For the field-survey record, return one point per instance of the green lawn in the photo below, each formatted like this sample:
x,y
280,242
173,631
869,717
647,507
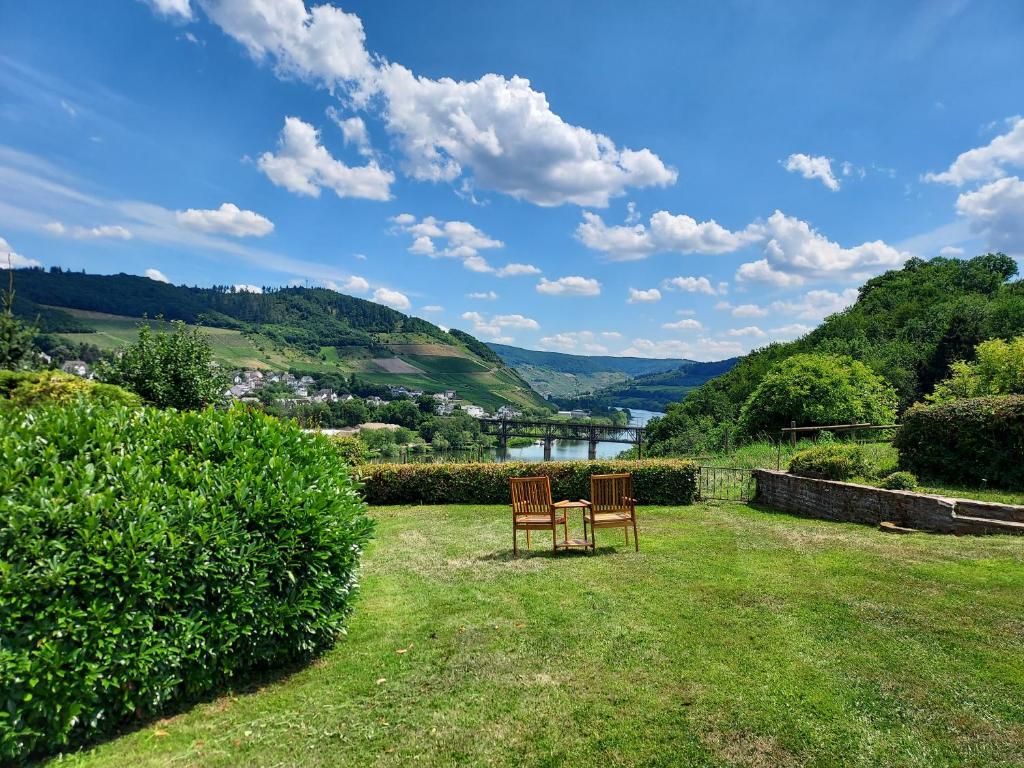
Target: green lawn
x,y
735,637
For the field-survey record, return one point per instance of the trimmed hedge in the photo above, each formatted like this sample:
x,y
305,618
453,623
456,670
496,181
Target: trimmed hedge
x,y
966,441
831,461
148,557
655,481
25,389
899,481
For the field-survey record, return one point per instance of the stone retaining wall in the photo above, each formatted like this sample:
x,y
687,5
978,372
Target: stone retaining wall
x,y
852,503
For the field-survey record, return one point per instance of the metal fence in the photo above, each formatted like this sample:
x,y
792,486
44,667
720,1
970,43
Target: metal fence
x,y
725,484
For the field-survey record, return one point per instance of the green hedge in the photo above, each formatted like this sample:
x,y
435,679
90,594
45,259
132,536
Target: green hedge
x,y
25,389
966,441
147,557
831,461
656,482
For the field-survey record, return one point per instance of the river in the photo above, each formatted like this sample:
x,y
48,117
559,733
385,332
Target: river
x,y
566,450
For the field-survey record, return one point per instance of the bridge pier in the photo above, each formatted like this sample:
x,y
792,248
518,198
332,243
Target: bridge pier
x,y
592,450
547,448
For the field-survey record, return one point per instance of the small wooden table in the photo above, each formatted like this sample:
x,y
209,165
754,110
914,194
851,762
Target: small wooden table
x,y
567,542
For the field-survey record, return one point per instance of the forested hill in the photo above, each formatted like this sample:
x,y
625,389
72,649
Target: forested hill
x,y
907,325
309,329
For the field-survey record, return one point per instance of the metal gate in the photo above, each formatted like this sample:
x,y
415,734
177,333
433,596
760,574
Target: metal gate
x,y
725,484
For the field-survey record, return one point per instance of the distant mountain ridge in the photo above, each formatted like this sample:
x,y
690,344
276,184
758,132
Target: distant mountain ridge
x,y
603,380
314,330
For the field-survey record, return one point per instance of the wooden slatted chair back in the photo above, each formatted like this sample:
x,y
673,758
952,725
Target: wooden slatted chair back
x,y
608,492
531,496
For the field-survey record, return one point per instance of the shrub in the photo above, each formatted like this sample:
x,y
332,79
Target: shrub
x,y
966,441
817,389
833,461
351,448
147,557
659,482
899,481
26,389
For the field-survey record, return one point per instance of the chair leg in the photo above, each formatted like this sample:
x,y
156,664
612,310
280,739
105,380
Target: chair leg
x,y
527,538
554,538
625,530
515,542
636,541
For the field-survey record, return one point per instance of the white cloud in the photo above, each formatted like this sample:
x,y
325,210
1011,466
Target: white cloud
x,y
247,288
694,285
8,257
352,284
571,285
951,251
749,310
794,251
353,131
514,269
576,342
498,132
177,9
156,274
643,296
816,305
390,298
790,331
750,330
815,167
988,162
89,233
701,349
460,240
665,232
432,308
304,166
483,295
996,212
229,219
493,328
686,324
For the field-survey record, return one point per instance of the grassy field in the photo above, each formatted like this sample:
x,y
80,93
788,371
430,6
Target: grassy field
x,y
735,637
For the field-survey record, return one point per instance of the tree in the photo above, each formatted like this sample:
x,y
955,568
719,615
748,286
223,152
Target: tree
x,y
998,369
17,350
169,370
817,390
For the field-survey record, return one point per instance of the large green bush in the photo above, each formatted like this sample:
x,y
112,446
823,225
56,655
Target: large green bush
x,y
966,441
998,369
817,390
26,389
147,557
832,461
657,482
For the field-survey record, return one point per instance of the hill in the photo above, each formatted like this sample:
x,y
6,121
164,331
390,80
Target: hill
x,y
908,325
312,330
563,375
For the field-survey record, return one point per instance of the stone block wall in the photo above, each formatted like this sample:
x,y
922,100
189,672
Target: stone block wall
x,y
852,503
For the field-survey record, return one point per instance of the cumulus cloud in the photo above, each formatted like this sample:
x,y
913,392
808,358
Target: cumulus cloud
x,y
229,219
390,298
790,331
353,131
303,165
247,288
482,295
813,305
996,212
89,233
156,274
694,285
175,9
748,310
8,257
494,327
352,284
815,167
750,330
514,269
497,133
793,251
432,308
577,342
686,324
643,296
987,162
701,349
665,232
951,251
571,285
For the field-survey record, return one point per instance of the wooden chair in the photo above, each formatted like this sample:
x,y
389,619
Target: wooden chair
x,y
533,510
611,506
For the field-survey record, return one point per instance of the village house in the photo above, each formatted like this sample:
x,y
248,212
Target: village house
x,y
77,368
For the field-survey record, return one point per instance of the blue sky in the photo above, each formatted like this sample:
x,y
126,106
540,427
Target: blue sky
x,y
660,179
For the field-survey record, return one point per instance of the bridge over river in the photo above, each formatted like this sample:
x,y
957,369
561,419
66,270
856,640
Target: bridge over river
x,y
549,431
